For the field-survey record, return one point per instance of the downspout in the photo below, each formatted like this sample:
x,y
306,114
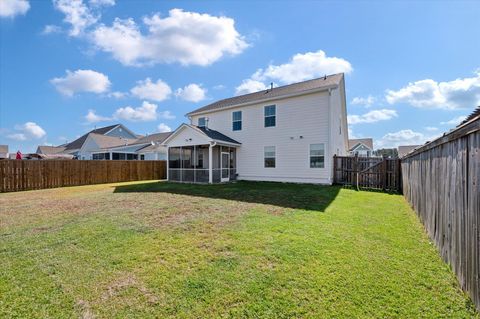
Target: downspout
x,y
329,148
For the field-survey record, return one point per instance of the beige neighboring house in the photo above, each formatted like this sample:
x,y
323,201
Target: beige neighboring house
x,y
114,142
361,147
50,150
3,151
405,149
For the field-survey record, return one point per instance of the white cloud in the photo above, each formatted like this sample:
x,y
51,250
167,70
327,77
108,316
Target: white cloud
x,y
304,67
154,91
29,130
11,8
403,137
162,128
365,101
456,94
184,37
117,94
219,87
49,29
166,115
146,112
455,121
77,14
431,128
372,116
249,86
93,117
192,93
81,81
100,3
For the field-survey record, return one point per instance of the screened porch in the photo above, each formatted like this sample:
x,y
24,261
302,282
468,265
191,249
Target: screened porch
x,y
202,163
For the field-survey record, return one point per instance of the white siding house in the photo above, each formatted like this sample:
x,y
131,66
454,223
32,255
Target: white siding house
x,y
285,134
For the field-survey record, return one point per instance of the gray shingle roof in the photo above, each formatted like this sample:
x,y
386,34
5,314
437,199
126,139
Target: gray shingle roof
x,y
280,91
105,141
76,144
45,149
157,137
405,149
216,135
475,113
366,141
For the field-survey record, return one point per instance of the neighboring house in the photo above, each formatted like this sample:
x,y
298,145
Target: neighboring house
x,y
50,150
361,147
115,142
285,134
3,152
405,149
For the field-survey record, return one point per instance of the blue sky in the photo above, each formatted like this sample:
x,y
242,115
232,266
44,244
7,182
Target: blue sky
x,y
412,69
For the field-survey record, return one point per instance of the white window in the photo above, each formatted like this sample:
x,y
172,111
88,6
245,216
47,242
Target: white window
x,y
237,121
317,155
202,122
270,112
269,156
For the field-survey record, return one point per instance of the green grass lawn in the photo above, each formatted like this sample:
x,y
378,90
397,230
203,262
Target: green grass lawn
x,y
243,250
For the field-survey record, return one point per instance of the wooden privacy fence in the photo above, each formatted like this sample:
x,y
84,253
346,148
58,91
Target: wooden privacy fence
x,y
441,181
19,175
367,172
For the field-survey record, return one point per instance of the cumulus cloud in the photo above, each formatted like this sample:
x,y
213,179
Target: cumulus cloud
x,y
81,81
365,101
162,128
146,112
99,3
303,67
166,115
93,117
188,38
12,8
372,116
192,93
77,14
49,29
117,94
250,86
403,137
455,121
154,91
456,94
29,130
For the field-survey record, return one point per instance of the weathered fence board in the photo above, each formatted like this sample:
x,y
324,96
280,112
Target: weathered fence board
x,y
367,172
16,175
442,183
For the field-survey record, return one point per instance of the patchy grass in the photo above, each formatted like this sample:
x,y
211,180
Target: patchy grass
x,y
261,250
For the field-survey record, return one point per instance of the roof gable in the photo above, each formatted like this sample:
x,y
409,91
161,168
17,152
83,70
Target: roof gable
x,y
353,143
187,134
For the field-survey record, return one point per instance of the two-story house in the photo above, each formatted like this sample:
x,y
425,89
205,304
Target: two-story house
x,y
285,134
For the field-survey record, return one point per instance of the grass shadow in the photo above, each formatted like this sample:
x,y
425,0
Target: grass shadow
x,y
287,195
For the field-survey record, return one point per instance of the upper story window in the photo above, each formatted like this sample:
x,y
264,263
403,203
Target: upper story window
x,y
270,115
317,155
269,156
202,121
237,121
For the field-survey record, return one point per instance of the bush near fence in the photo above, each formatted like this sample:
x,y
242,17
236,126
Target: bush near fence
x,y
20,175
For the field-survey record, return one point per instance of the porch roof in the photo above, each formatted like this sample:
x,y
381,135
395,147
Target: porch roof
x,y
208,134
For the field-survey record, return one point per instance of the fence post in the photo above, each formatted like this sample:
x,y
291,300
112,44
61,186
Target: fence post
x,y
384,172
355,170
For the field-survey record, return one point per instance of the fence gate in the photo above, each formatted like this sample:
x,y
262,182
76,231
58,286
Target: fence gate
x,y
367,172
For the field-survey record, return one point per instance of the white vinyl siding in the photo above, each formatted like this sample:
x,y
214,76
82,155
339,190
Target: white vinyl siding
x,y
303,120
